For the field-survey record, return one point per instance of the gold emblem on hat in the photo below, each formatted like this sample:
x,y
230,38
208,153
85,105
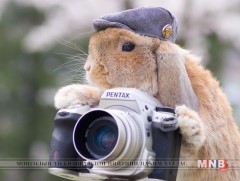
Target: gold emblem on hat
x,y
167,31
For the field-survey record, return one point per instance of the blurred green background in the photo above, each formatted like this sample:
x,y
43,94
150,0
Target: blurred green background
x,y
42,45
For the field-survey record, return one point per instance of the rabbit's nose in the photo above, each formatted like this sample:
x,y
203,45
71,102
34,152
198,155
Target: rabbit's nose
x,y
87,67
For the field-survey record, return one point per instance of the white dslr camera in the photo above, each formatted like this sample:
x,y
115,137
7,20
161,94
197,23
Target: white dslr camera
x,y
126,137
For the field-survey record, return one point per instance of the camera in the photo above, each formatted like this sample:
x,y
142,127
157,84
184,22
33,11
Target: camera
x,y
128,136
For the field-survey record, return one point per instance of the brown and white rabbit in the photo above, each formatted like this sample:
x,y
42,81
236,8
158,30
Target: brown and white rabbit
x,y
121,58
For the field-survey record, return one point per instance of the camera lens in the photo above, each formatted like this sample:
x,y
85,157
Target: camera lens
x,y
107,135
101,136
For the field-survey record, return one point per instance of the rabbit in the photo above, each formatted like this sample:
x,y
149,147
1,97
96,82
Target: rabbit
x,y
121,58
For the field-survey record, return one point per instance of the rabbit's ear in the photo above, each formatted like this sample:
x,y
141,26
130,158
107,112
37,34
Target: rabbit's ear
x,y
174,85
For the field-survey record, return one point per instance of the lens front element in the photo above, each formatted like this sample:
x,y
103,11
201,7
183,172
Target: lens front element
x,y
101,136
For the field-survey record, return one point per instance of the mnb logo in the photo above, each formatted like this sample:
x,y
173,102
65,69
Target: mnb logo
x,y
221,164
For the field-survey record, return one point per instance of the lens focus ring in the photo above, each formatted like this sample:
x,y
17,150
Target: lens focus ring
x,y
133,142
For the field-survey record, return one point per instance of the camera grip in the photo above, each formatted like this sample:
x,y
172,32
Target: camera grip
x,y
62,150
167,149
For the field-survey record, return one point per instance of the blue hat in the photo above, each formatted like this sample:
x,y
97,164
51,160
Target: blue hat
x,y
148,21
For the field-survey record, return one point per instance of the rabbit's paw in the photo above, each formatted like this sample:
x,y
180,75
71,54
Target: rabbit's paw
x,y
77,94
191,126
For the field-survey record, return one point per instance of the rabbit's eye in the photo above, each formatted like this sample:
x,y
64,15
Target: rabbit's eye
x,y
128,47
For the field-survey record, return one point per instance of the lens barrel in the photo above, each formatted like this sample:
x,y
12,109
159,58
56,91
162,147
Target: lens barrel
x,y
107,135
